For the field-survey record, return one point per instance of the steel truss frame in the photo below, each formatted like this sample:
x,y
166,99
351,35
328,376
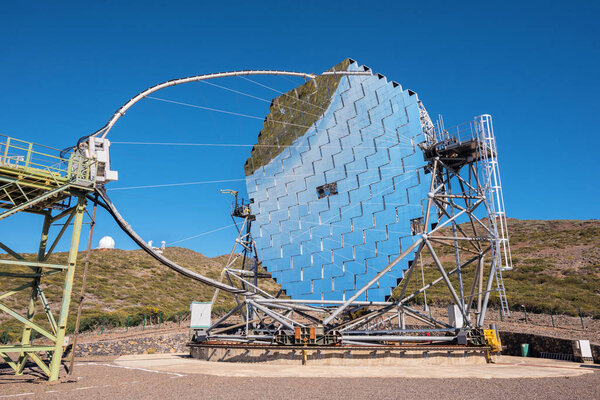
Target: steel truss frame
x,y
53,340
464,212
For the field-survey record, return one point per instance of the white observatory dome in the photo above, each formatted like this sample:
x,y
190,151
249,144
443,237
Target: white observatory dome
x,y
106,243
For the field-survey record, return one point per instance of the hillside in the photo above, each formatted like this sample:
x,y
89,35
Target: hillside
x,y
557,266
124,283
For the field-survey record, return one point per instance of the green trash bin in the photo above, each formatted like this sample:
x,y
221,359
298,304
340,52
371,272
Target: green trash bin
x,y
524,349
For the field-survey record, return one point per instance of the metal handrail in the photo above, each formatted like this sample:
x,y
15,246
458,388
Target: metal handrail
x,y
461,133
41,159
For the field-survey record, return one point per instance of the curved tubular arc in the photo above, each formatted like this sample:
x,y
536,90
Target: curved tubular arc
x,y
110,207
121,111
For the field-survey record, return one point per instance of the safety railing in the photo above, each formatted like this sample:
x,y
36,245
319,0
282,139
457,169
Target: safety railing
x,y
36,159
458,134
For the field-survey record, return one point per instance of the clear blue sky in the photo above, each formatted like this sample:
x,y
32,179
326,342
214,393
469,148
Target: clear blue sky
x,y
66,66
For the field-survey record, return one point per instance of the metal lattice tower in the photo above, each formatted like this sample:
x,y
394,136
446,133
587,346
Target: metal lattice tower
x,y
36,179
471,147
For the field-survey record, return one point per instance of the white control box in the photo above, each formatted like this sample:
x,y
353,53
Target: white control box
x,y
200,318
99,151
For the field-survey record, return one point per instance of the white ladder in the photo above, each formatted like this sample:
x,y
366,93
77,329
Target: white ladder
x,y
501,255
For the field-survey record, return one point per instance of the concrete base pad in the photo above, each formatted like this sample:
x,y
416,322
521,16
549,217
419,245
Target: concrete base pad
x,y
505,367
341,356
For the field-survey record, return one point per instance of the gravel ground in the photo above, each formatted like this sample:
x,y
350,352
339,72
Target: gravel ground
x,y
102,379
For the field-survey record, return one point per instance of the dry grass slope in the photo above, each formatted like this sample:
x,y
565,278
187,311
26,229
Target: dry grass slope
x,y
557,266
128,283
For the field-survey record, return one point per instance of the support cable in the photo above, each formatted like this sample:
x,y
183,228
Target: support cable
x,y
202,234
384,132
241,145
243,180
110,207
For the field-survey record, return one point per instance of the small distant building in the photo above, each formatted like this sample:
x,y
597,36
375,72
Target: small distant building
x,y
106,243
160,249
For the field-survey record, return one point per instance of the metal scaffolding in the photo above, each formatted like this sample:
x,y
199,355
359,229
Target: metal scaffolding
x,y
35,179
464,213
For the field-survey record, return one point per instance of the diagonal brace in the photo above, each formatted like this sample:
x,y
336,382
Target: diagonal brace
x,y
384,271
27,322
447,280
